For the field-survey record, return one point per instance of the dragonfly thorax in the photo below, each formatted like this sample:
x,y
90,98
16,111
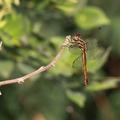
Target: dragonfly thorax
x,y
82,44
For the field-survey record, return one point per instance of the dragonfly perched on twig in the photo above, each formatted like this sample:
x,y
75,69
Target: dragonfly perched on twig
x,y
79,45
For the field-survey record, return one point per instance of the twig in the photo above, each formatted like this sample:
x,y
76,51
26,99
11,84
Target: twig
x,y
0,49
41,69
0,45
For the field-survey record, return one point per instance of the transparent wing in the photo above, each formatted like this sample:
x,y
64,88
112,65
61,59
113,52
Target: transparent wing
x,y
74,49
77,63
96,55
94,49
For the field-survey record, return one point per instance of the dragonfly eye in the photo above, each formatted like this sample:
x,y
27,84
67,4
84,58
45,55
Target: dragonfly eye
x,y
77,35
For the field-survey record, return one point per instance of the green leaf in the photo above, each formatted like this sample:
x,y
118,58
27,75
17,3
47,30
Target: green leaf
x,y
101,86
71,6
68,6
77,97
2,23
14,29
17,2
91,17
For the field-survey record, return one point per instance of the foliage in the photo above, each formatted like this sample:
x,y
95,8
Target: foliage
x,y
91,17
32,33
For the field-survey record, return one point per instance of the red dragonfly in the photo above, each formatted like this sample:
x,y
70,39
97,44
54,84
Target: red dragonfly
x,y
77,45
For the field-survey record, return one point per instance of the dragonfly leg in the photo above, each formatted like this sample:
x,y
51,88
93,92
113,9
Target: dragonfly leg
x,y
75,44
65,46
70,46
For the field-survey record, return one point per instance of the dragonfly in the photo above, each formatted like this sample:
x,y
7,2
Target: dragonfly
x,y
78,45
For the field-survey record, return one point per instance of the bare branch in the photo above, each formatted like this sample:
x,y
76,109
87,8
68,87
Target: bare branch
x,y
0,49
0,45
41,69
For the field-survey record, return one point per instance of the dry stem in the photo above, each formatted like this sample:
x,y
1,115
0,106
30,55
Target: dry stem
x,y
41,69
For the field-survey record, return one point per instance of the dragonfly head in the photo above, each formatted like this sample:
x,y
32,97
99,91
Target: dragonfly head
x,y
77,36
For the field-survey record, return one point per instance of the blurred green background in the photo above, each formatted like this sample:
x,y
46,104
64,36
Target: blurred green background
x,y
32,32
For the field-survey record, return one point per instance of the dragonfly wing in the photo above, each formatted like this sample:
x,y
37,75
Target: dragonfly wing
x,y
94,50
77,63
74,49
96,55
